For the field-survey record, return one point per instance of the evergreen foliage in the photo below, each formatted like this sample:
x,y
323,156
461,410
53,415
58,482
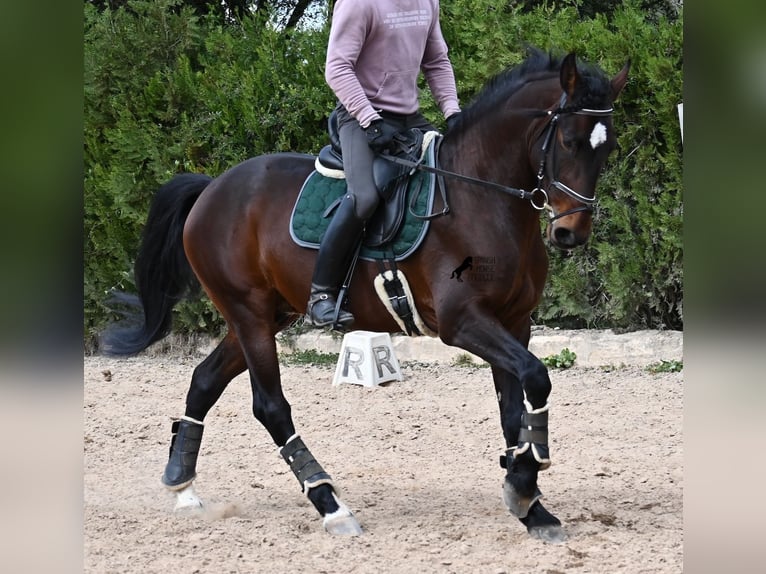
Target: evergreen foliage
x,y
169,90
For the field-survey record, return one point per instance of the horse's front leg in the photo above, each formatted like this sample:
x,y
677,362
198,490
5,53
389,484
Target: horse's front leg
x,y
523,387
520,491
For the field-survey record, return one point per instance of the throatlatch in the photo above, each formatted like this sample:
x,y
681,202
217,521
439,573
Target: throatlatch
x,y
184,448
303,464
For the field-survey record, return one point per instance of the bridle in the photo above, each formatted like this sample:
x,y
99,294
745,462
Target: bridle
x,y
539,198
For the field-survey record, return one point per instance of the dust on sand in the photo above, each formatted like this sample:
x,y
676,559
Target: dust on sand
x,y
417,462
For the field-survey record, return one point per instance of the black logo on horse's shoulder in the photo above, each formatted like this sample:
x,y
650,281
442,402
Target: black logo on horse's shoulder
x,y
466,264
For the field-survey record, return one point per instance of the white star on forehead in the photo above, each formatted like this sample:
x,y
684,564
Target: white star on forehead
x,y
598,135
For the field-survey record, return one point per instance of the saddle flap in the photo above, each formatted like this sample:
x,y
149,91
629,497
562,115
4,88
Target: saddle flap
x,y
384,224
392,181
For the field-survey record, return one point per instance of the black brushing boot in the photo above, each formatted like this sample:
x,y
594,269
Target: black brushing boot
x,y
184,448
335,253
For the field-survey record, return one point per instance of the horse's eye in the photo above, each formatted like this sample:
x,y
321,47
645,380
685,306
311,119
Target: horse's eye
x,y
568,143
567,139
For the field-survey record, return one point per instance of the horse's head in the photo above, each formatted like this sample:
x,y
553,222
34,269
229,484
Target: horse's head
x,y
577,139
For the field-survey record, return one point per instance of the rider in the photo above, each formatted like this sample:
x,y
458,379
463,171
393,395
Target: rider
x,y
377,49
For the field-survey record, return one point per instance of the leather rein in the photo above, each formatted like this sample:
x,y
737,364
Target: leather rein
x,y
538,197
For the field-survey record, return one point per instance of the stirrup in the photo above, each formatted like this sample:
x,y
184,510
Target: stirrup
x,y
336,317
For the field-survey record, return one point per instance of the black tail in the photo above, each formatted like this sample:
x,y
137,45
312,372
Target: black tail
x,y
162,272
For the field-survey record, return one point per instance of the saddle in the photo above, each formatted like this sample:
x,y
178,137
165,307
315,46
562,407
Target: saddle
x,y
391,180
395,230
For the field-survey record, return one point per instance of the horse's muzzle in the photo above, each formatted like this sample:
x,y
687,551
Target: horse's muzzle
x,y
567,237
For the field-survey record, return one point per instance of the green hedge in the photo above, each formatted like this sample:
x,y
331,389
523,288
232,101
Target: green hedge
x,y
167,91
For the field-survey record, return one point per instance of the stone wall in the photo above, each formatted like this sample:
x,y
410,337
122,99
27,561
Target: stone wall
x,y
594,348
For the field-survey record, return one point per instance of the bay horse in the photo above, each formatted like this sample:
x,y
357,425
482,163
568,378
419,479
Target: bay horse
x,y
535,138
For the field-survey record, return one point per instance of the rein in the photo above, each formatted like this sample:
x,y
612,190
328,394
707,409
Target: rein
x,y
520,193
538,197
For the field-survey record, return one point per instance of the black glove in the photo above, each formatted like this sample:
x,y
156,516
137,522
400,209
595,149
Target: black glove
x,y
380,134
452,120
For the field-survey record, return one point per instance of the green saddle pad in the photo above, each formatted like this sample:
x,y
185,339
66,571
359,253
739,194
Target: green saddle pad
x,y
307,224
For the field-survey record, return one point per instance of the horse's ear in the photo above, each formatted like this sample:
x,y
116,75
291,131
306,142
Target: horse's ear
x,y
569,75
619,81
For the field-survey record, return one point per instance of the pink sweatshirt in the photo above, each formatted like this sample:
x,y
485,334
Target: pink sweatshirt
x,y
376,51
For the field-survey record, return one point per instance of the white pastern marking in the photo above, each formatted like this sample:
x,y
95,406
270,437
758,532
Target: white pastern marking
x,y
342,512
187,498
598,135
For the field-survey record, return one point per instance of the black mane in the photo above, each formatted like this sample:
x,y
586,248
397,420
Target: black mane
x,y
538,65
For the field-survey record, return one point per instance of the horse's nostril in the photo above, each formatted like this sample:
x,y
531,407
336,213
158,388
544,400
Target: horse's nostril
x,y
564,237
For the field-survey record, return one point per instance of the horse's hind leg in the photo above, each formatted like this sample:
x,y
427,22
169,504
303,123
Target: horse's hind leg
x,y
273,411
209,380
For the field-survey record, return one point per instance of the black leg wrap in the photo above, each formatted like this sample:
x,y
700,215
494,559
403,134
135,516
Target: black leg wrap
x,y
184,448
534,428
533,436
303,464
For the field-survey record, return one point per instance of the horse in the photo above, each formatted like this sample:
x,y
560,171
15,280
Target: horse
x,y
535,139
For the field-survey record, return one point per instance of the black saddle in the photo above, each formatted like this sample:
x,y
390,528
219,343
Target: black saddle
x,y
391,180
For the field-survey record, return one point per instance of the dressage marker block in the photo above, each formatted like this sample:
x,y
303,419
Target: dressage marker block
x,y
367,358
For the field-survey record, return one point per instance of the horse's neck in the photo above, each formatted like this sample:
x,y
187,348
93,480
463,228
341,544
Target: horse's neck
x,y
485,150
499,143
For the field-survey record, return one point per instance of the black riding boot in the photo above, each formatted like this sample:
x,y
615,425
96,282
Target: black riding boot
x,y
335,254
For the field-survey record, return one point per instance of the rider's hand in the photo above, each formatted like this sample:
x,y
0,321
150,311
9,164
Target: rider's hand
x,y
380,134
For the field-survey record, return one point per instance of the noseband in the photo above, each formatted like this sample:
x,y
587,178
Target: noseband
x,y
539,195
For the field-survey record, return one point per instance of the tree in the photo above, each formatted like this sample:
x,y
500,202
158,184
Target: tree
x,y
286,13
169,90
589,8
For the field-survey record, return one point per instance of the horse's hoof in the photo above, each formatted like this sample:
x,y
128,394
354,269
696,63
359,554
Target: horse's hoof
x,y
342,524
187,500
517,504
552,534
